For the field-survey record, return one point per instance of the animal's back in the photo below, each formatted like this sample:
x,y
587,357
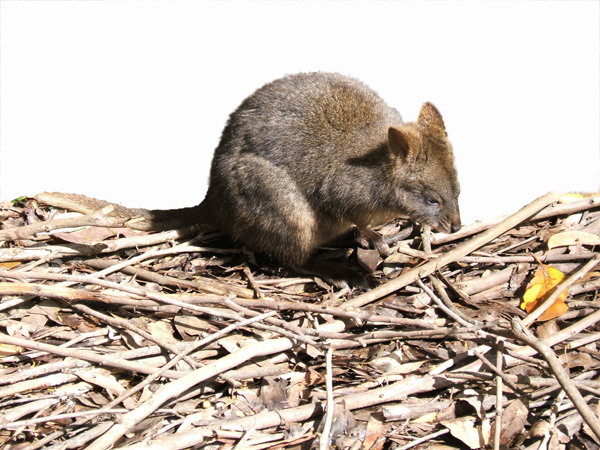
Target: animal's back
x,y
282,153
305,118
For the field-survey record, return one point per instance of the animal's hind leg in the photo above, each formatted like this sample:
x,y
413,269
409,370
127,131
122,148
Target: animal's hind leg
x,y
262,208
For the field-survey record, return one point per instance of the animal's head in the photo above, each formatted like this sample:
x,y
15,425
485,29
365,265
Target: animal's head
x,y
427,181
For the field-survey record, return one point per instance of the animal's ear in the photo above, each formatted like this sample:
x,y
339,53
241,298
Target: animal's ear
x,y
431,117
400,144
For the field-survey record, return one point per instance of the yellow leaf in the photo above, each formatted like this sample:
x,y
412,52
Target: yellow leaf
x,y
427,418
9,350
542,285
570,198
574,197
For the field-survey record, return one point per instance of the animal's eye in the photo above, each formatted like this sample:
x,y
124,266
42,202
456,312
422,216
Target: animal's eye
x,y
432,201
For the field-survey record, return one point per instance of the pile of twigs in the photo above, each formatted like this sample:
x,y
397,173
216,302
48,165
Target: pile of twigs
x,y
112,338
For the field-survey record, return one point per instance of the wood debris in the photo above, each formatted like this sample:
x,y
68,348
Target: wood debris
x,y
115,338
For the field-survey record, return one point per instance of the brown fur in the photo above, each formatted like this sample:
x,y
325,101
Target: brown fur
x,y
307,157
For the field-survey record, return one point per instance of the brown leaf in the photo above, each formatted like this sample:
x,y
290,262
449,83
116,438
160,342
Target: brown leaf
x,y
10,350
376,429
94,235
273,394
514,420
192,326
465,429
567,238
368,259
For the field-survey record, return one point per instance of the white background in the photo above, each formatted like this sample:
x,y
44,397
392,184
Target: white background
x,y
126,100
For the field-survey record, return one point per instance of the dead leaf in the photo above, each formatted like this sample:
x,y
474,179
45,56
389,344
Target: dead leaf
x,y
297,392
570,198
480,403
17,329
547,329
162,331
398,258
191,327
542,285
273,393
313,377
10,350
105,379
95,235
390,365
466,431
514,419
578,359
567,238
368,259
376,432
234,342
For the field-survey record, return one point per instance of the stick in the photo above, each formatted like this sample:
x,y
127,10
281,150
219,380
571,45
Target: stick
x,y
86,355
324,440
98,218
550,211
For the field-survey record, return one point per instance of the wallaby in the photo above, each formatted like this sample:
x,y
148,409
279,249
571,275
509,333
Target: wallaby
x,y
306,158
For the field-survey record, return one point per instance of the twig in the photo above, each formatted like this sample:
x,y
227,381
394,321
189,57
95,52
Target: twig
x,y
499,410
325,435
86,355
498,372
118,322
58,417
546,258
419,441
546,352
426,237
358,315
446,304
393,392
280,327
111,246
242,442
549,211
252,283
98,218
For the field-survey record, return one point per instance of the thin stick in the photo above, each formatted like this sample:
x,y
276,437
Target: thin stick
x,y
549,211
324,441
86,355
429,437
99,218
499,386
